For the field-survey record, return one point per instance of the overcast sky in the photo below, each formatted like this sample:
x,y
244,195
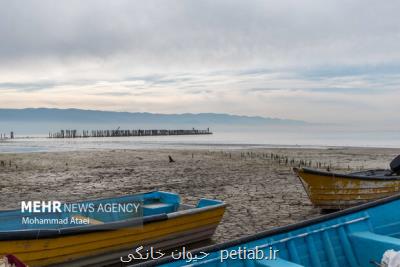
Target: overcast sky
x,y
319,61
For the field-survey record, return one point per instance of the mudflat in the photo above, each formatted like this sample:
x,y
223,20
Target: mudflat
x,y
258,185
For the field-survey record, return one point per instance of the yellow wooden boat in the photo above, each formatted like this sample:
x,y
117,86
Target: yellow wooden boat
x,y
329,190
103,237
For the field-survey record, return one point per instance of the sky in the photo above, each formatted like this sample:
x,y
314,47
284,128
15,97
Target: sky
x,y
318,61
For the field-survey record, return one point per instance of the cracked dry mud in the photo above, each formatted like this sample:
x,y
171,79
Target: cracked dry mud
x,y
261,193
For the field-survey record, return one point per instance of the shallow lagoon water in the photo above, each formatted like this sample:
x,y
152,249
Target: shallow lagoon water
x,y
218,140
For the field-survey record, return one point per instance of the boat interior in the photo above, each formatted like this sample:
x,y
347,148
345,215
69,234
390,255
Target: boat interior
x,y
355,237
375,173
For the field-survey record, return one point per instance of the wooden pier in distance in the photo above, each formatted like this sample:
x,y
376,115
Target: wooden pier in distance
x,y
4,136
124,133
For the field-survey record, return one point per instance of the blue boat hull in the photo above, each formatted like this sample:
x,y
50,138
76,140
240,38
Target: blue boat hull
x,y
354,237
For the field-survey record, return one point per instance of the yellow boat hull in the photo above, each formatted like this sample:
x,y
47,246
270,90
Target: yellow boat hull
x,y
335,191
88,247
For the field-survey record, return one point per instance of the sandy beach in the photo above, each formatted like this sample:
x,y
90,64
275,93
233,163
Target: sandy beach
x,y
258,185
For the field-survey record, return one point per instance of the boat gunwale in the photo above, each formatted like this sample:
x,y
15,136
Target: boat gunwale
x,y
277,230
348,176
29,234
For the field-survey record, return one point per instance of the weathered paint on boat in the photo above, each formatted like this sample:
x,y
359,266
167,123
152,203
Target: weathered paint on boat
x,y
328,190
167,225
355,237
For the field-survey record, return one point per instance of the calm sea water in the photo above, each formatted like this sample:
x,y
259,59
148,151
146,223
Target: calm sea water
x,y
219,140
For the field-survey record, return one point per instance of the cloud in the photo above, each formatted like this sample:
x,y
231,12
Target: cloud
x,y
198,34
307,60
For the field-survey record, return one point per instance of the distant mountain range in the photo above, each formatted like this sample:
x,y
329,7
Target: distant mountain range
x,y
46,119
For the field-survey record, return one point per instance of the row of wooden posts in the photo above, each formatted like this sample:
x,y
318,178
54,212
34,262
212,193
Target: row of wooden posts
x,y
118,133
284,160
292,162
5,136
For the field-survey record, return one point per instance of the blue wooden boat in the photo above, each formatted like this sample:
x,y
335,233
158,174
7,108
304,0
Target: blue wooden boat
x,y
356,237
85,233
